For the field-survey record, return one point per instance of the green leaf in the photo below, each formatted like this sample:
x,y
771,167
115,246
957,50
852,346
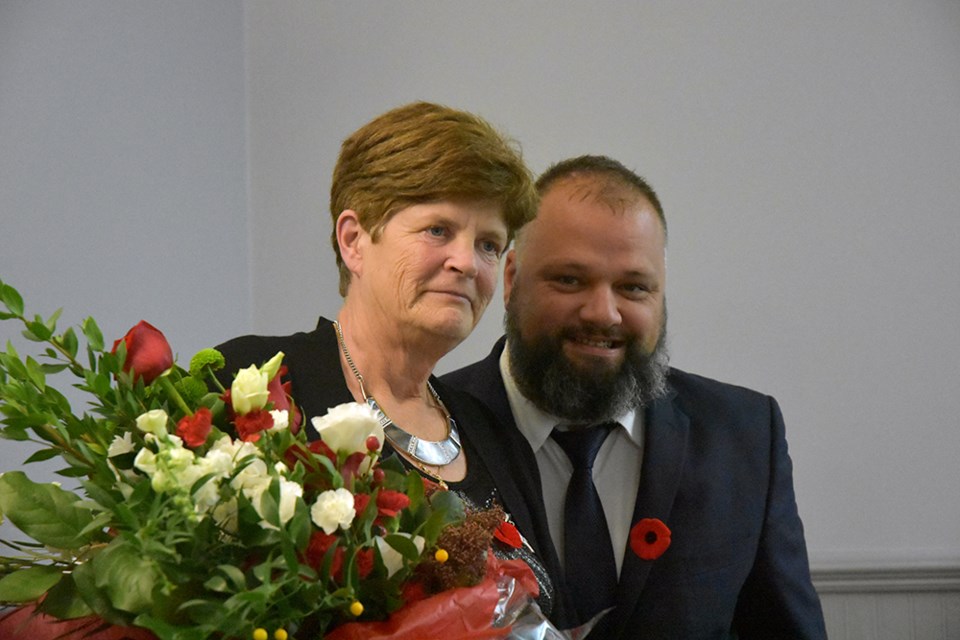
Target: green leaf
x,y
26,585
45,512
404,546
52,320
35,373
92,333
64,602
70,343
43,454
126,576
37,331
84,576
11,299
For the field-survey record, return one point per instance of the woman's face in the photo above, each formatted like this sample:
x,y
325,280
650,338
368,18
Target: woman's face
x,y
434,267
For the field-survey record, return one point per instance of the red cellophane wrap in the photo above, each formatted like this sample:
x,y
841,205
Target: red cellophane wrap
x,y
466,613
25,623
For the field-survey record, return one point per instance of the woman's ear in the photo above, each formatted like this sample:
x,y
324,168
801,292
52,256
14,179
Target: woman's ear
x,y
349,236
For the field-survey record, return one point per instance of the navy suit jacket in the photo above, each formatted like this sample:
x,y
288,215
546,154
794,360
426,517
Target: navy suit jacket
x,y
716,471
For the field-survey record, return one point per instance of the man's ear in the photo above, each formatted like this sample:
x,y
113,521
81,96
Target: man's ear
x,y
509,273
349,236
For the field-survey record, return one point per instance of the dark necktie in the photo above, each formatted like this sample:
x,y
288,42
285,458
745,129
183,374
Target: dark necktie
x,y
590,568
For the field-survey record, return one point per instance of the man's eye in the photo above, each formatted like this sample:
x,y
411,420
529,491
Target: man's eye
x,y
635,290
567,280
437,232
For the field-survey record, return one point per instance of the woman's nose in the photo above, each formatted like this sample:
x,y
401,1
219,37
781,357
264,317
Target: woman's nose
x,y
463,257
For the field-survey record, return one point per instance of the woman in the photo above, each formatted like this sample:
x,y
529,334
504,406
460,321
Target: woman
x,y
424,201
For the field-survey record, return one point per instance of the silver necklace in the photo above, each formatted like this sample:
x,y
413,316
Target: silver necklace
x,y
435,453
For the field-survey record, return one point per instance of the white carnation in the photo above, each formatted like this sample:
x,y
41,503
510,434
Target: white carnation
x,y
333,510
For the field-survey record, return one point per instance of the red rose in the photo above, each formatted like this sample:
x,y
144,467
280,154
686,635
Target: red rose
x,y
249,425
390,502
195,429
148,352
649,538
508,534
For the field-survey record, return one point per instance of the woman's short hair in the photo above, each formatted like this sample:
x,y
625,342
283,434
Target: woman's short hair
x,y
424,152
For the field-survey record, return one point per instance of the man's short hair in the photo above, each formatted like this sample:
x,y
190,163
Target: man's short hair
x,y
424,152
591,165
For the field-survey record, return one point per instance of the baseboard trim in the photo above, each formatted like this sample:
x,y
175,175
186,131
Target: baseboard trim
x,y
886,580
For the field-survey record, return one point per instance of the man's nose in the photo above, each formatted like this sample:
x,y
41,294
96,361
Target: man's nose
x,y
600,307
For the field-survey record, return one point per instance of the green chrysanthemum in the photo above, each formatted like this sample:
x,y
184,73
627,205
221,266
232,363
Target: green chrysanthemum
x,y
206,358
191,389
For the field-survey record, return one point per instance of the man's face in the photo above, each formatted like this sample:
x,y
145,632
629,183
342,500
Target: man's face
x,y
585,302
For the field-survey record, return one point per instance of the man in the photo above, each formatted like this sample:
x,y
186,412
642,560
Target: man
x,y
693,475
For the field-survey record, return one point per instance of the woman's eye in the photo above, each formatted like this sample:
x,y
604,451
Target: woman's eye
x,y
437,232
488,246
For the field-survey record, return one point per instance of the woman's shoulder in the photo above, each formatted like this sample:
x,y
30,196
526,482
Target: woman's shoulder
x,y
246,350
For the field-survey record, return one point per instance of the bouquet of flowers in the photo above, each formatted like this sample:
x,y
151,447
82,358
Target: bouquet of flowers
x,y
205,512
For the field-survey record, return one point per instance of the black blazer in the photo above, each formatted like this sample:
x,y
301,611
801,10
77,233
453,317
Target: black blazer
x,y
717,472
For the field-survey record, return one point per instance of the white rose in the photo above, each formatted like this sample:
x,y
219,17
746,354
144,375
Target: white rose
x,y
393,559
249,390
154,422
346,427
333,510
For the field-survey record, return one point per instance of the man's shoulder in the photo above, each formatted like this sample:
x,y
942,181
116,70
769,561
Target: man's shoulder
x,y
685,382
708,400
699,390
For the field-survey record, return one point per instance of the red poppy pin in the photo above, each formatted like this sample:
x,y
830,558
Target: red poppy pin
x,y
649,538
508,535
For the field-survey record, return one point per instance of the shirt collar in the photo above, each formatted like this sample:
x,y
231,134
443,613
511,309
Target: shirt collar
x,y
536,424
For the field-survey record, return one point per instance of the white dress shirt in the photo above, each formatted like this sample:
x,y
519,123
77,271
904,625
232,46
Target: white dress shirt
x,y
616,470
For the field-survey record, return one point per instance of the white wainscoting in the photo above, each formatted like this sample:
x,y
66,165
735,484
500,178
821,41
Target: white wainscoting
x,y
890,604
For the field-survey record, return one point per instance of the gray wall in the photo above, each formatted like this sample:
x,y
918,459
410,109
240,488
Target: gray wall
x,y
123,169
806,153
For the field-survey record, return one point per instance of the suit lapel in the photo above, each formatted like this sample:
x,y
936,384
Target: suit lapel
x,y
665,444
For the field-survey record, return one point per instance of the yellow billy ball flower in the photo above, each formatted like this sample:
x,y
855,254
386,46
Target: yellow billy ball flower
x,y
260,634
441,556
356,608
280,634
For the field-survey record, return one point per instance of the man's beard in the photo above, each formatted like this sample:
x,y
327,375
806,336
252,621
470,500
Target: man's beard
x,y
580,394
